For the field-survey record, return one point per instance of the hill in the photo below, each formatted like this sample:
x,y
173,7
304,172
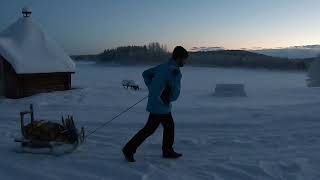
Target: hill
x,y
156,53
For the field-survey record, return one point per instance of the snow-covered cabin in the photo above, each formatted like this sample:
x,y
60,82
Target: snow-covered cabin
x,y
31,62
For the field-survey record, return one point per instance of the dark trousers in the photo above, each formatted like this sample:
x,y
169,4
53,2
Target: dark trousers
x,y
154,121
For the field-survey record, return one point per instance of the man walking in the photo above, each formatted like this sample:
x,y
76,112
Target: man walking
x,y
163,82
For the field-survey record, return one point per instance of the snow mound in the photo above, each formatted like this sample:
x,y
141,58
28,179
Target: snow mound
x,y
314,74
230,90
30,50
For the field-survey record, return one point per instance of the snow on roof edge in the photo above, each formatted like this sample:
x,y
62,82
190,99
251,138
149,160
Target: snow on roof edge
x,y
30,50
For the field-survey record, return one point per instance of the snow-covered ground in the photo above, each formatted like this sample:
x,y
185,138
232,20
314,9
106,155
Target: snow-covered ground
x,y
272,134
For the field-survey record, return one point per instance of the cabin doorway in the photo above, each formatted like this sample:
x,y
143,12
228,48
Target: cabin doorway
x,y
1,77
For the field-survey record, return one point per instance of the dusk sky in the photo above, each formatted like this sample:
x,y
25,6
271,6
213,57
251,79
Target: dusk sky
x,y
90,26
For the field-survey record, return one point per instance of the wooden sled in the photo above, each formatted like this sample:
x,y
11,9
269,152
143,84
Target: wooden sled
x,y
40,134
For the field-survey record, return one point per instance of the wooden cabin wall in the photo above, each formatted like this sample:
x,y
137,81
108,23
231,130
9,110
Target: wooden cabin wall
x,y
1,77
37,83
22,85
11,88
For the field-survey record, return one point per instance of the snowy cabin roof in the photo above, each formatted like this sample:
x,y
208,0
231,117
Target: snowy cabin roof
x,y
30,50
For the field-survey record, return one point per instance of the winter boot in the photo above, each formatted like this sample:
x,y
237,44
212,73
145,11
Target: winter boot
x,y
171,155
128,155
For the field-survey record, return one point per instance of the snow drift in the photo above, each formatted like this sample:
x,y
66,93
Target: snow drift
x,y
272,134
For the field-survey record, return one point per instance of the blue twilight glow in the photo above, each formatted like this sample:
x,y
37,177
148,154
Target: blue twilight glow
x,y
89,26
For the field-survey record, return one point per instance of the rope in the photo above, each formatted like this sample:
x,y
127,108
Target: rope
x,y
115,117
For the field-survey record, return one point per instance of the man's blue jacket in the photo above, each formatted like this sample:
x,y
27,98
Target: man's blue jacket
x,y
156,79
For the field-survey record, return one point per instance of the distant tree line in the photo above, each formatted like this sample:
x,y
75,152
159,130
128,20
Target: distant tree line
x,y
240,58
153,52
156,53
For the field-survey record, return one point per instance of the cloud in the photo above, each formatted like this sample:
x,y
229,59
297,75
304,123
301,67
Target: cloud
x,y
203,48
